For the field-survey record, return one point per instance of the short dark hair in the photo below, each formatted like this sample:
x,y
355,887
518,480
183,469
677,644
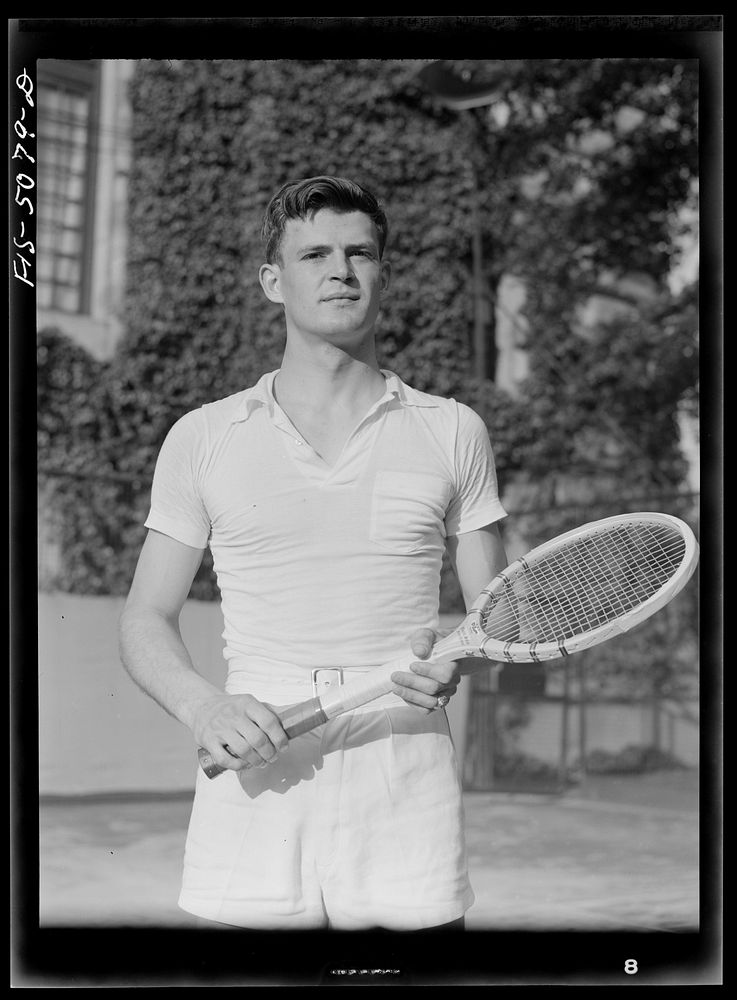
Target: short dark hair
x,y
302,199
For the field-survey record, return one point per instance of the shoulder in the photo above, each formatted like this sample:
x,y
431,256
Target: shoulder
x,y
198,430
469,421
216,414
226,410
443,409
414,399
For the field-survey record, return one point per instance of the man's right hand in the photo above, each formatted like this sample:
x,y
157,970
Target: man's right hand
x,y
249,729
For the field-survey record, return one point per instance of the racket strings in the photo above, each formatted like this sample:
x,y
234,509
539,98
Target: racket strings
x,y
584,584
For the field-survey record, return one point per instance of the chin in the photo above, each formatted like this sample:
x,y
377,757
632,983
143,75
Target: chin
x,y
338,334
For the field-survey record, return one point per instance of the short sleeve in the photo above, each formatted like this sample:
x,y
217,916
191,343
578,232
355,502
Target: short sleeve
x,y
177,509
475,502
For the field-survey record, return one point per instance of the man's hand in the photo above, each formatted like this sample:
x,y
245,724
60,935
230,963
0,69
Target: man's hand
x,y
239,731
427,681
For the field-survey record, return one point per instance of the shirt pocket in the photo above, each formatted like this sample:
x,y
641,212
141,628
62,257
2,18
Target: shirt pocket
x,y
408,511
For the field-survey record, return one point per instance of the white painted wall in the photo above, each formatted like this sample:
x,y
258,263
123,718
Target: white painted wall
x,y
99,733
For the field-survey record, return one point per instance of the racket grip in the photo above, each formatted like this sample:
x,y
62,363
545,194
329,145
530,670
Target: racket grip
x,y
303,717
296,720
307,715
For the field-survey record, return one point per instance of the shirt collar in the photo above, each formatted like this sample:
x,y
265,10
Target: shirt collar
x,y
405,393
262,394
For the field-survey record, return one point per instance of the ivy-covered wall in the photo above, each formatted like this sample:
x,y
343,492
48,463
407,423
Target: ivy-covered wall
x,y
213,140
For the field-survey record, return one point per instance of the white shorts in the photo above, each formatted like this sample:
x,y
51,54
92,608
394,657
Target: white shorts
x,y
358,824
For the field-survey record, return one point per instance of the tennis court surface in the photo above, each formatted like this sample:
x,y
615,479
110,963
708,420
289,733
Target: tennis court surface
x,y
622,853
600,886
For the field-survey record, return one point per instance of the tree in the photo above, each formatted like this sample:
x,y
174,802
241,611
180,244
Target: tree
x,y
585,171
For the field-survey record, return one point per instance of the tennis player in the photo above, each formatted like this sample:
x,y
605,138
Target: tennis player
x,y
328,493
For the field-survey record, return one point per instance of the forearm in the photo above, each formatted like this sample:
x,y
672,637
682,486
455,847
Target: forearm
x,y
154,654
477,557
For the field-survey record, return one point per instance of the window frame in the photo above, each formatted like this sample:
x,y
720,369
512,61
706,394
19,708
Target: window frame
x,y
82,77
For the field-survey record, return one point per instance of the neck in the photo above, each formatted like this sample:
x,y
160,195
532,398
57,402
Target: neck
x,y
329,376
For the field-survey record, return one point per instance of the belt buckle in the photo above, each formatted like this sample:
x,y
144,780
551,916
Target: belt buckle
x,y
326,677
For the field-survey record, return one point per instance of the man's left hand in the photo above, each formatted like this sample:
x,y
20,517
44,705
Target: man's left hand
x,y
427,686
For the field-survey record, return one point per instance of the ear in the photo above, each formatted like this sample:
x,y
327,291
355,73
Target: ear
x,y
268,276
386,272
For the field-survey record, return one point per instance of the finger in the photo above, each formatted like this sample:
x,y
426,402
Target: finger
x,y
236,754
429,703
421,642
225,757
416,698
265,717
246,758
443,673
241,712
414,682
422,692
248,744
254,745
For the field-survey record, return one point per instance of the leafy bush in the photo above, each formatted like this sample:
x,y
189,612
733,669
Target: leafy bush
x,y
632,759
211,142
520,770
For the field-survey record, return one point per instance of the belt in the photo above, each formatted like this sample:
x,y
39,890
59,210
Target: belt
x,y
324,678
243,674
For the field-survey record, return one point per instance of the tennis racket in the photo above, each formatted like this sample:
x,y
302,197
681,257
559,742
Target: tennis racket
x,y
573,592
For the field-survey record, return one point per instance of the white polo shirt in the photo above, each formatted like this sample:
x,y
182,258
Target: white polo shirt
x,y
324,565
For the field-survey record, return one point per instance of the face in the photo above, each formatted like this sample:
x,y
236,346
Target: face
x,y
330,278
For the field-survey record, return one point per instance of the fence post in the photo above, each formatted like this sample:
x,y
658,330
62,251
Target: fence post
x,y
563,762
582,734
478,770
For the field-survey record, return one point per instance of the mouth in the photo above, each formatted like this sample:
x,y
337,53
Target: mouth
x,y
341,298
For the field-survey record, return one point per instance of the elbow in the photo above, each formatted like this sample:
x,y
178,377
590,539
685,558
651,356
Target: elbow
x,y
140,623
128,621
135,627
126,630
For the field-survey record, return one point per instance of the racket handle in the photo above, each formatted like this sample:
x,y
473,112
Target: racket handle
x,y
295,720
208,765
303,717
307,715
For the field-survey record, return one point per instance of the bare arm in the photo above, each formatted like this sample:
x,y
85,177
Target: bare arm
x,y
151,644
476,557
154,654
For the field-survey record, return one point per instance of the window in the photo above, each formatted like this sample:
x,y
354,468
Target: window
x,y
67,129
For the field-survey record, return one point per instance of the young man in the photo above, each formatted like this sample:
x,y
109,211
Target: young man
x,y
328,493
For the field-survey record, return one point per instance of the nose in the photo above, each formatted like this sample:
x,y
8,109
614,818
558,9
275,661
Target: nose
x,y
342,267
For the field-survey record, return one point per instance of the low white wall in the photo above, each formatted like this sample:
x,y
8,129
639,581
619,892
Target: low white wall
x,y
609,727
98,732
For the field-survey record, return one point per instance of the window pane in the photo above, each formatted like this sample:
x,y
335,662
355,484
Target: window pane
x,y
43,293
66,299
75,187
71,242
73,213
67,271
64,110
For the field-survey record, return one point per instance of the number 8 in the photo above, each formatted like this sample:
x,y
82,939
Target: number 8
x,y
630,966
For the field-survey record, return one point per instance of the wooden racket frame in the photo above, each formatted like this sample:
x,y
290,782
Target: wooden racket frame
x,y
468,639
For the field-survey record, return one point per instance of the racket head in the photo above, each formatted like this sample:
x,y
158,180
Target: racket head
x,y
584,587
